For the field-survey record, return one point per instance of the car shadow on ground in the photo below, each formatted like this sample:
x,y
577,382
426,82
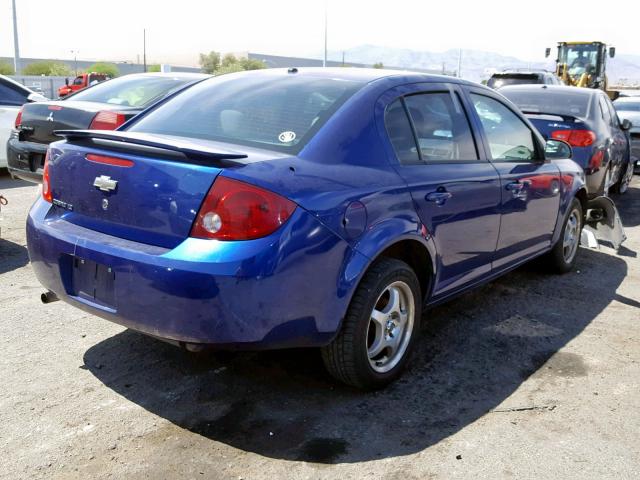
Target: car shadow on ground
x,y
6,182
628,205
12,256
474,352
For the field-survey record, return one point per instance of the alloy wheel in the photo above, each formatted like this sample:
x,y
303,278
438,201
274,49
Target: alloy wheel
x,y
390,326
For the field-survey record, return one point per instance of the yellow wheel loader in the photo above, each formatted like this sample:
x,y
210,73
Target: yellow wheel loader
x,y
583,64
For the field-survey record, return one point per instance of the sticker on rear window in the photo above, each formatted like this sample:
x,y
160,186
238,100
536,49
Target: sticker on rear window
x,y
287,137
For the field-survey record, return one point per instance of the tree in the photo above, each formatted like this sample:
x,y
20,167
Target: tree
x,y
378,65
252,64
47,68
210,62
6,69
107,68
153,68
228,60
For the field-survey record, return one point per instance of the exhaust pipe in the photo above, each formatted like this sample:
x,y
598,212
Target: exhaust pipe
x,y
49,297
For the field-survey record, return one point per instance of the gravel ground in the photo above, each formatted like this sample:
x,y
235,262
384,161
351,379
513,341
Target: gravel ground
x,y
531,376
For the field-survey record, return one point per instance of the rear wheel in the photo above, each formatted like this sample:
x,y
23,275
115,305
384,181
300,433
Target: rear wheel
x,y
562,257
379,329
606,182
622,185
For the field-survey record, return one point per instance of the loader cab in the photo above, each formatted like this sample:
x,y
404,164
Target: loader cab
x,y
582,64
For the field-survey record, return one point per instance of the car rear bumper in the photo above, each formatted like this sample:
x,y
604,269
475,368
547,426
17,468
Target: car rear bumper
x,y
285,290
25,160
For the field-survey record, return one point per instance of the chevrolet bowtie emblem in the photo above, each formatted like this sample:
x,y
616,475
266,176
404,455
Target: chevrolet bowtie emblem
x,y
104,183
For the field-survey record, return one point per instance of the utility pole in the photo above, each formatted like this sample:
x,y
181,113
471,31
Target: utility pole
x,y
343,58
459,63
144,48
324,60
75,60
16,48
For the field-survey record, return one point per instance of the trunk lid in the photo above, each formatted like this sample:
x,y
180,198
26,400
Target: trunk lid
x,y
41,119
150,194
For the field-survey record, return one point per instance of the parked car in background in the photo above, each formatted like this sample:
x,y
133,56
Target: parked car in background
x,y
105,106
12,96
303,208
586,119
81,82
522,77
628,108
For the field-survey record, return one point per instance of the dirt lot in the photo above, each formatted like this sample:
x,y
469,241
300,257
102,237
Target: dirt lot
x,y
531,376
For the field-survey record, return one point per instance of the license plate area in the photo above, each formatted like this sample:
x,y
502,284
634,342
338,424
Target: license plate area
x,y
93,281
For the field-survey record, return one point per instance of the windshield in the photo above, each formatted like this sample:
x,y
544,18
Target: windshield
x,y
498,81
627,106
579,58
279,111
548,101
131,91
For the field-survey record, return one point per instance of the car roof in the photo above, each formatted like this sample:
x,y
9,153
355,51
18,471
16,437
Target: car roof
x,y
524,71
364,75
633,99
185,75
533,88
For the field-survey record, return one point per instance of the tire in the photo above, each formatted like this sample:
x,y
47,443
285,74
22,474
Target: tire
x,y
370,354
606,183
562,257
622,185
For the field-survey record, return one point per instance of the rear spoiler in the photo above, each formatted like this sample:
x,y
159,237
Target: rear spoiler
x,y
190,150
564,117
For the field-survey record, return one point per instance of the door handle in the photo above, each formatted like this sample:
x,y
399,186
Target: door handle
x,y
439,198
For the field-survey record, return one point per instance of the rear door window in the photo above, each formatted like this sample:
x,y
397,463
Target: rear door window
x,y
441,128
509,138
400,133
604,110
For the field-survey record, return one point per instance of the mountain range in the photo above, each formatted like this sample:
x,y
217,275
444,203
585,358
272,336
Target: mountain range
x,y
476,65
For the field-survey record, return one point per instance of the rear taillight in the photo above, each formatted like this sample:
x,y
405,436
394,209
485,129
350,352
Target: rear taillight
x,y
575,138
18,119
107,120
596,160
46,183
235,210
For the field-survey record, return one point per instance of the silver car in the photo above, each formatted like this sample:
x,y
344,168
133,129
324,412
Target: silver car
x,y
629,108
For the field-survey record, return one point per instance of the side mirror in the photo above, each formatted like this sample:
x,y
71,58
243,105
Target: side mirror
x,y
557,149
612,52
547,52
66,81
626,124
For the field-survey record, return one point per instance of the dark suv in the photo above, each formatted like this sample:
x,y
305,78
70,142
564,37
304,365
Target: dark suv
x,y
522,77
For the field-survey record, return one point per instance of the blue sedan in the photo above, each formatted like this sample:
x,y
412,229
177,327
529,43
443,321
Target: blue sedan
x,y
303,208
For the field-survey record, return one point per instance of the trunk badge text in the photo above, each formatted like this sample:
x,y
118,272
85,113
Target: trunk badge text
x,y
105,184
105,203
50,117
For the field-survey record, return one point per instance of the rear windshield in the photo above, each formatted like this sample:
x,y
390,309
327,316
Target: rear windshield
x,y
273,111
627,106
498,81
131,91
548,101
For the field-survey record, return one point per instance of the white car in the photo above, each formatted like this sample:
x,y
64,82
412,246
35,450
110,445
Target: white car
x,y
12,96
